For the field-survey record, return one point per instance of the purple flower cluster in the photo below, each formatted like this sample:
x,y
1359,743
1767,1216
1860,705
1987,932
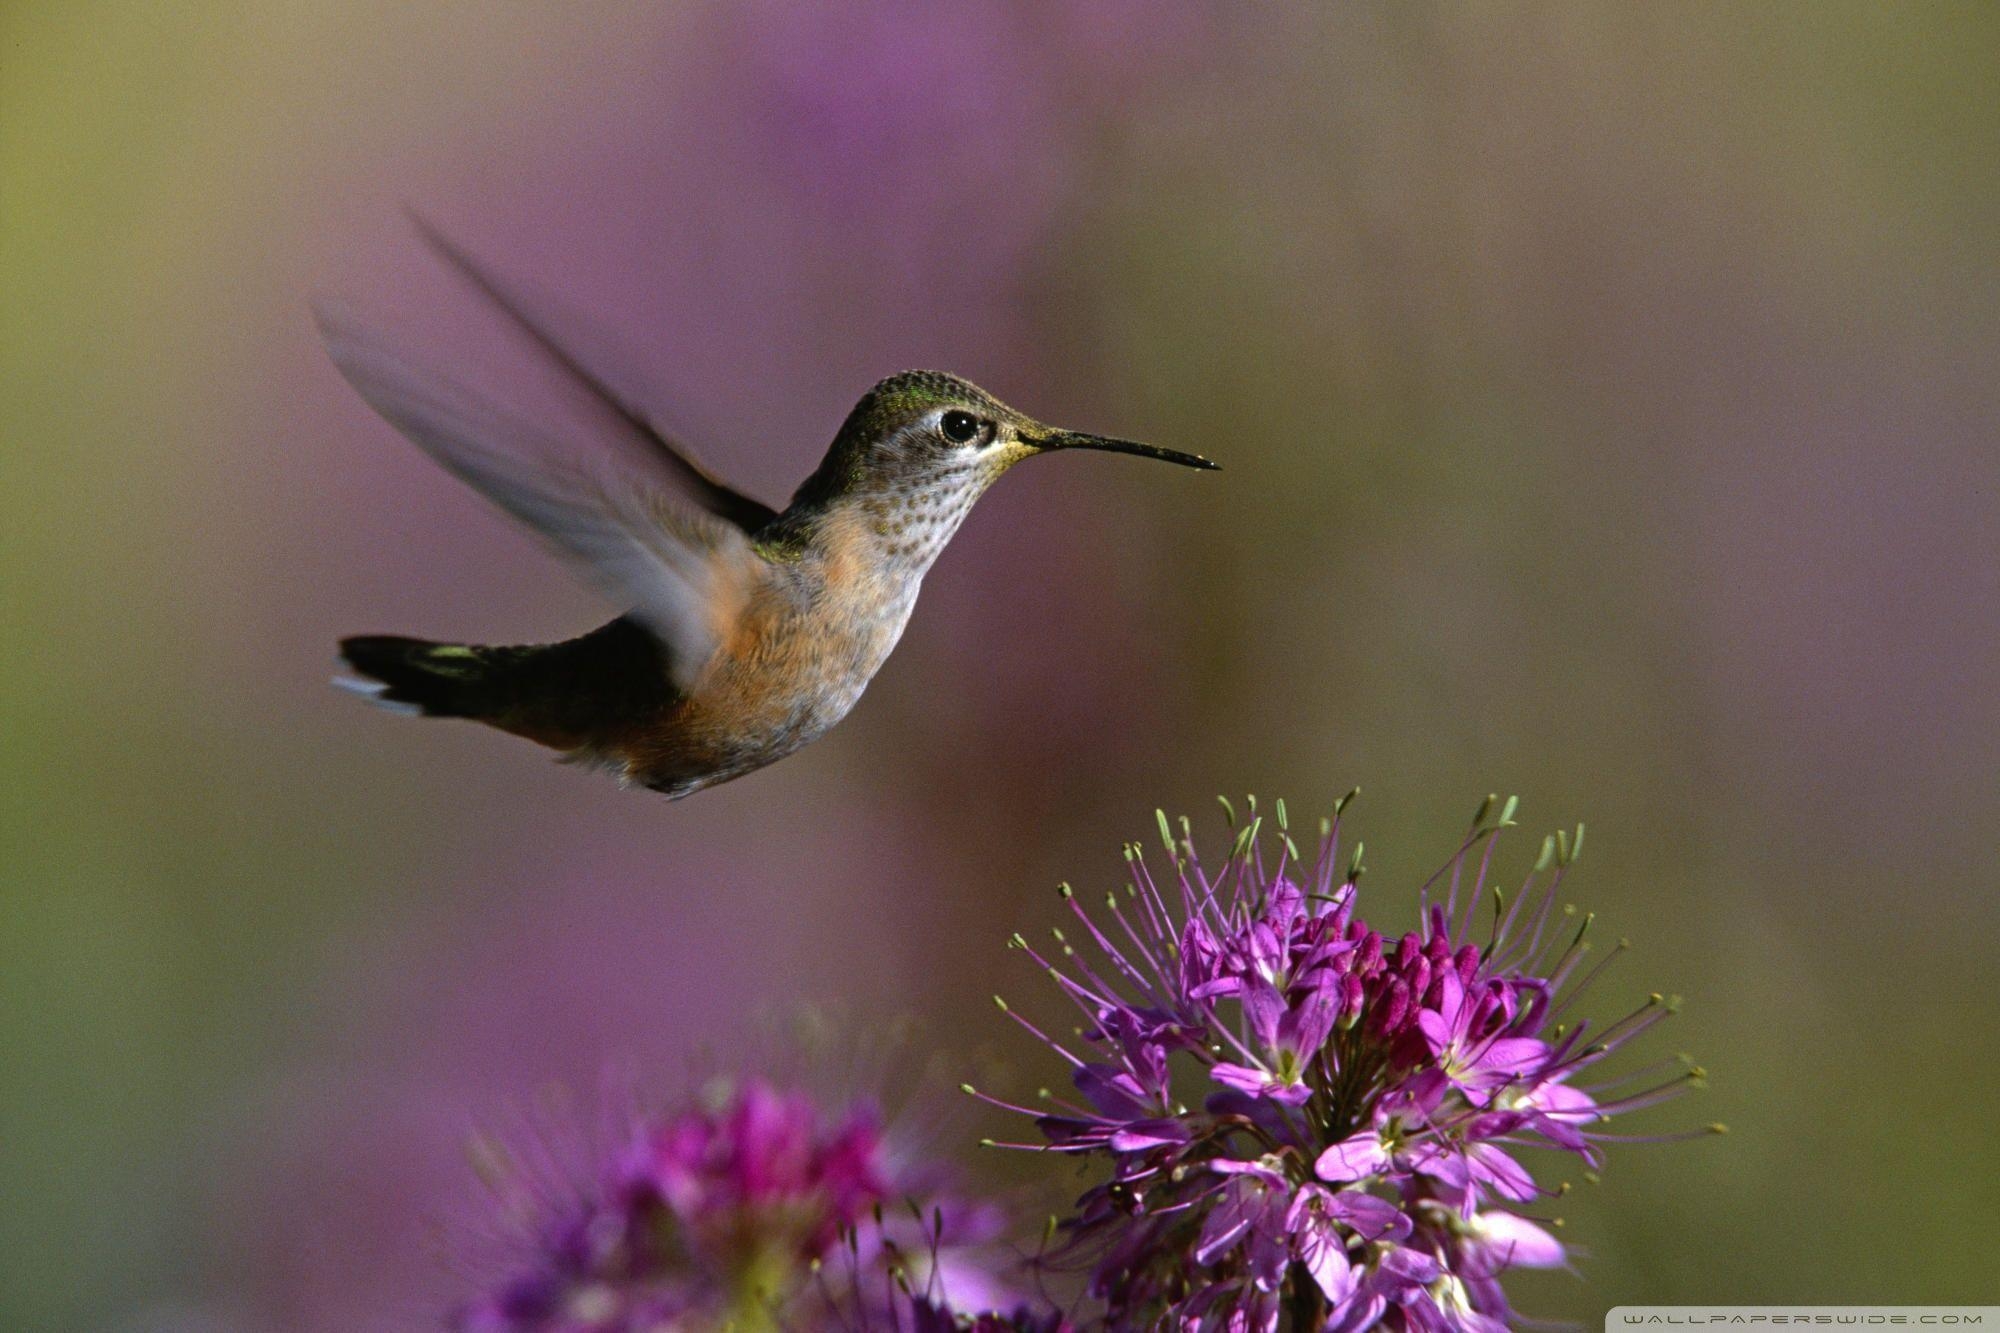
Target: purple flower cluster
x,y
1314,1125
755,1212
1308,1124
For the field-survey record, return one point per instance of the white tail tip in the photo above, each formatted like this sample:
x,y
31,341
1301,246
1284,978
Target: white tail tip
x,y
372,691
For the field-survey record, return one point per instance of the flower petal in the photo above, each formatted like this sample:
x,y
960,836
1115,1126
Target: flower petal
x,y
1353,1158
1324,1255
1141,1135
1515,1056
1510,1241
1362,1312
1307,1024
1493,1167
1240,1077
1265,1008
1401,1266
1438,1034
1262,1169
1112,1091
1371,1217
1227,1223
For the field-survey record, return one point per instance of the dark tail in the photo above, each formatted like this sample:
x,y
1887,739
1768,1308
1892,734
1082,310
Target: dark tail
x,y
563,695
426,679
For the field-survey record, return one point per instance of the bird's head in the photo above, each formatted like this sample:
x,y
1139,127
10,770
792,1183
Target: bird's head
x,y
931,443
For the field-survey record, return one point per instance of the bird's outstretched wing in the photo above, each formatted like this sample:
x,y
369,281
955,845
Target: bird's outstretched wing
x,y
685,574
575,349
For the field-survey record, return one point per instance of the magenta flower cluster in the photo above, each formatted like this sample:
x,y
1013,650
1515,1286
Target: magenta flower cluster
x,y
1302,1123
756,1212
1310,1124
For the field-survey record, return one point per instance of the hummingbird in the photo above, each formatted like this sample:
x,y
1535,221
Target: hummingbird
x,y
747,631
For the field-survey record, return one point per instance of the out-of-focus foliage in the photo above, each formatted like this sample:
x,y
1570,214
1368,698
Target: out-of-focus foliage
x,y
1606,400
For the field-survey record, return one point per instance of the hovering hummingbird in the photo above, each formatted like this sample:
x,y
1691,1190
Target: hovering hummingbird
x,y
750,631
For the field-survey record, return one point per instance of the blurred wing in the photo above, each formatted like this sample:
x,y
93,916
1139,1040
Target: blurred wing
x,y
685,575
570,346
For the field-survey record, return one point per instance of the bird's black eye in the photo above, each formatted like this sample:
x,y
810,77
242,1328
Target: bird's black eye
x,y
959,427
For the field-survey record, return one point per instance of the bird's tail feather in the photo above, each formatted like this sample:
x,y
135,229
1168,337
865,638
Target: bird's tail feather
x,y
419,677
576,695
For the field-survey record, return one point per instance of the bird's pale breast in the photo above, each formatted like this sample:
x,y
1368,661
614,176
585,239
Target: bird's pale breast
x,y
800,659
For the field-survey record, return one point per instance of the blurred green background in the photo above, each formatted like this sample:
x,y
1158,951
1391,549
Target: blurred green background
x,y
1608,406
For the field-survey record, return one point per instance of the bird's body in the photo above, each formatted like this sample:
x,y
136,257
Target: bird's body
x,y
752,631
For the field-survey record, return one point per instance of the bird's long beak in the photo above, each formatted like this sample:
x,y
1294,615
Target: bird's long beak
x,y
1070,439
